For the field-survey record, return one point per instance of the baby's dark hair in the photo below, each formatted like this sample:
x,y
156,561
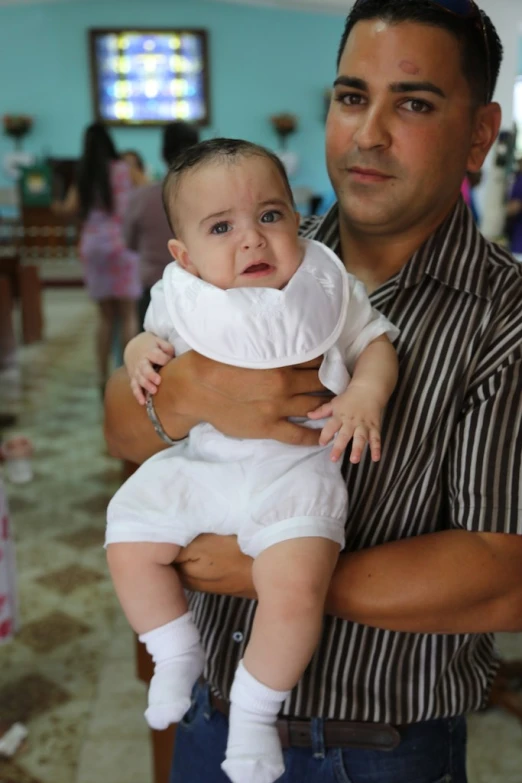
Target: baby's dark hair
x,y
213,151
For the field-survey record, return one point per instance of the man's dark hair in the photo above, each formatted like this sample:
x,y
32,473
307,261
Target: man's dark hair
x,y
467,31
214,151
177,136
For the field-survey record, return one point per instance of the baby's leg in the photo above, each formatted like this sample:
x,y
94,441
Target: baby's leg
x,y
152,597
291,579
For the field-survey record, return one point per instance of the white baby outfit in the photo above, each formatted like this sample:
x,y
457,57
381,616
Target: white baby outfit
x,y
263,491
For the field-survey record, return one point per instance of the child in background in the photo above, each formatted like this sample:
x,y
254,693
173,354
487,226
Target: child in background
x,y
246,291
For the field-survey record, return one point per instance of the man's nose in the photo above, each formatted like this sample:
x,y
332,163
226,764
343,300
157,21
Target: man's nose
x,y
373,130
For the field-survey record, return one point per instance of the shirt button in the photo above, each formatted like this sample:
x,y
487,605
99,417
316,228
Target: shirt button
x,y
237,636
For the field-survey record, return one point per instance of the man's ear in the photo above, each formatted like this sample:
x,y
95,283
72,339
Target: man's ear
x,y
485,131
297,219
179,253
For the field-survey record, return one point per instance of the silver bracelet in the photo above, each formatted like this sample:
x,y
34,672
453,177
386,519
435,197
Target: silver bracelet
x,y
151,413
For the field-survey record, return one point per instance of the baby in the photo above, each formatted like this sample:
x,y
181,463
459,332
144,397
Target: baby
x,y
246,291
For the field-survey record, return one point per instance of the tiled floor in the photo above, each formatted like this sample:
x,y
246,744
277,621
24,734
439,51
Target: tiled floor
x,y
69,675
70,672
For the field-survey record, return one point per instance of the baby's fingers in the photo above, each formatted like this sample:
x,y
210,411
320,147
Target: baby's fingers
x,y
342,439
147,381
360,439
145,371
159,356
137,391
323,412
328,431
166,347
375,445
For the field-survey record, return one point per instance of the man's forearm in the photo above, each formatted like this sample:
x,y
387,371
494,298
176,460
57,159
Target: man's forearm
x,y
448,582
128,430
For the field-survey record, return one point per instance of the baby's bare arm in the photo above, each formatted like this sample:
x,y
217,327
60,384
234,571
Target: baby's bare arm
x,y
376,370
356,414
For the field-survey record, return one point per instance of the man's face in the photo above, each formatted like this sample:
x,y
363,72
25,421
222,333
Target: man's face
x,y
400,126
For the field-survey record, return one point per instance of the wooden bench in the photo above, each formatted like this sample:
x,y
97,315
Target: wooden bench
x,y
25,285
7,335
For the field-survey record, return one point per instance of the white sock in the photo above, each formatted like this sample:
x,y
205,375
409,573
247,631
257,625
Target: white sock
x,y
178,662
254,751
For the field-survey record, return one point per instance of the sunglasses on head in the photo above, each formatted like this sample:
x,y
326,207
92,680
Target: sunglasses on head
x,y
464,9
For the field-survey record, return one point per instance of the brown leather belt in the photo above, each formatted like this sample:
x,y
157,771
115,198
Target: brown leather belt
x,y
295,733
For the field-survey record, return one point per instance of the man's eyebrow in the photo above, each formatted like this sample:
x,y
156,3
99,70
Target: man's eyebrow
x,y
396,87
351,81
417,87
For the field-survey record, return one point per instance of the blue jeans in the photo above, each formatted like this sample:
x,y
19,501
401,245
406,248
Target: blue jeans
x,y
431,752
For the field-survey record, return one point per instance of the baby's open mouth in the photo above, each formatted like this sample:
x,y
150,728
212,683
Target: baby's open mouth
x,y
256,269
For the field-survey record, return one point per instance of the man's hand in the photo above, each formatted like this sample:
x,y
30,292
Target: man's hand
x,y
242,403
215,564
237,402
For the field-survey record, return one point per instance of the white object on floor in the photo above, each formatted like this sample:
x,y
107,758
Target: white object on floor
x,y
17,452
12,739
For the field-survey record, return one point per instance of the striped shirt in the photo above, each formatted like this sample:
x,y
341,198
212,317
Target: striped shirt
x,y
452,449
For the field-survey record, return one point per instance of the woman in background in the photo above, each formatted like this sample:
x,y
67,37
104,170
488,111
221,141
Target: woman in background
x,y
146,228
111,270
137,167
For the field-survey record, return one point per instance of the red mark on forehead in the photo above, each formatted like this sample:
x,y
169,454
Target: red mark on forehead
x,y
408,67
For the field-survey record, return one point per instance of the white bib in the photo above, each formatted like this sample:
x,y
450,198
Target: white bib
x,y
262,328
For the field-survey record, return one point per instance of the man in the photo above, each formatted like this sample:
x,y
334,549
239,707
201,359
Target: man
x,y
433,546
145,226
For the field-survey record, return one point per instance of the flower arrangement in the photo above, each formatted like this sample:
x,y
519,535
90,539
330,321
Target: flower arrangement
x,y
17,125
284,124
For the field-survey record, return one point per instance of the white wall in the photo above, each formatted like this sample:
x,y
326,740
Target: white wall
x,y
507,18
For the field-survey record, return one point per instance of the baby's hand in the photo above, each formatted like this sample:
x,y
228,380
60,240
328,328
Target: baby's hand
x,y
354,415
140,355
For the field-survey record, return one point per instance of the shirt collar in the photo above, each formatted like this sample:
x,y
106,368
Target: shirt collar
x,y
455,254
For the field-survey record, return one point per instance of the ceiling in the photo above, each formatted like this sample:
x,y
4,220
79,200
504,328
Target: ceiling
x,y
325,6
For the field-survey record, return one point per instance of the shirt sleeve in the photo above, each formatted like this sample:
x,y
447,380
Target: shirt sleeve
x,y
363,325
484,461
157,319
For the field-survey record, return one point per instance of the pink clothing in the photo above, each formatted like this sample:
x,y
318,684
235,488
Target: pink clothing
x,y
146,230
8,597
465,190
111,270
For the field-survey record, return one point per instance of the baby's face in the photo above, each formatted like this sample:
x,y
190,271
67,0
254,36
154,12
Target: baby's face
x,y
238,226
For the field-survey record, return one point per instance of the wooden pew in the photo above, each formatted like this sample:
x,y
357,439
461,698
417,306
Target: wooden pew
x,y
7,335
31,304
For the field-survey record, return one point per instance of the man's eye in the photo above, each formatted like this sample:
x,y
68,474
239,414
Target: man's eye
x,y
271,217
417,106
220,228
350,98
